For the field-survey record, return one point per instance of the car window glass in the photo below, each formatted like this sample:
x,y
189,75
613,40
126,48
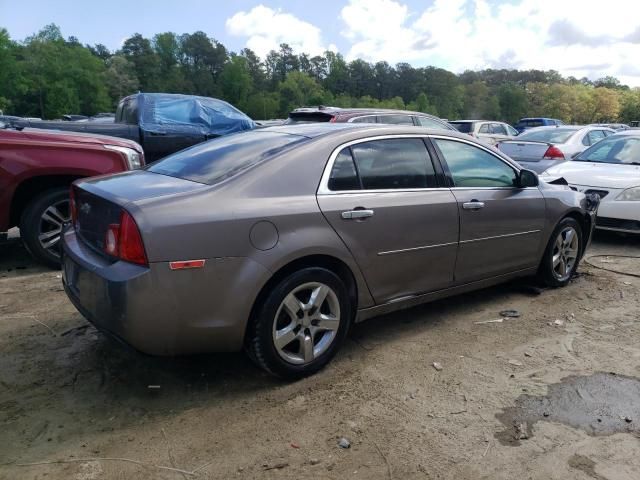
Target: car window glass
x,y
512,131
613,149
224,157
471,166
396,119
343,174
550,135
431,123
464,127
498,129
369,119
394,163
484,128
131,111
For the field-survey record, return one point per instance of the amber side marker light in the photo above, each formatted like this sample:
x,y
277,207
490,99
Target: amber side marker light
x,y
185,264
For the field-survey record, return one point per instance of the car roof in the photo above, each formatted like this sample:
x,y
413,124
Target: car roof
x,y
630,131
347,111
473,121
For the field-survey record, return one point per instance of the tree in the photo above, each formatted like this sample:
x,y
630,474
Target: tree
x,y
513,102
606,104
235,81
297,90
138,51
120,78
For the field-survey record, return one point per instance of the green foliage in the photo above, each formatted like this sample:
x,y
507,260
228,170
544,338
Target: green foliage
x,y
48,76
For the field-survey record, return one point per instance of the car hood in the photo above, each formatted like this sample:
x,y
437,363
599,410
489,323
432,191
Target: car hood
x,y
78,137
594,174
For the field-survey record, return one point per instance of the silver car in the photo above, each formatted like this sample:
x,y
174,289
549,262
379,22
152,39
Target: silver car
x,y
490,132
278,239
544,147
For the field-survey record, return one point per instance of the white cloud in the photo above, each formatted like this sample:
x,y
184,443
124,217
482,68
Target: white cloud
x,y
266,29
570,36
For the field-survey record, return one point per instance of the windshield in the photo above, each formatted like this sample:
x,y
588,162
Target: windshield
x,y
216,160
548,135
613,150
464,127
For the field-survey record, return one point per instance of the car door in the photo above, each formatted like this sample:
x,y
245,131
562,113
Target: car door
x,y
382,197
484,132
498,133
500,223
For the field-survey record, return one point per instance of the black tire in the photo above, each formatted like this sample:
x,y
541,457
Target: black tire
x,y
260,344
546,272
31,220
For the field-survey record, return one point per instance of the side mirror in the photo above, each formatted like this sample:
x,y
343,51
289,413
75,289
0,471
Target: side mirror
x,y
528,178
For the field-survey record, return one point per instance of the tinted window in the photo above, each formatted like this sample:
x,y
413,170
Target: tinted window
x,y
512,131
369,119
473,167
343,173
595,136
548,135
615,149
431,123
498,129
396,119
130,111
484,128
464,127
216,160
394,163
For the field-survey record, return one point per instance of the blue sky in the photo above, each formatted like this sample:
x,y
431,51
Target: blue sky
x,y
575,37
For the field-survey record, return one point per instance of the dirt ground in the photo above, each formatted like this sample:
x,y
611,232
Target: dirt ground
x,y
73,396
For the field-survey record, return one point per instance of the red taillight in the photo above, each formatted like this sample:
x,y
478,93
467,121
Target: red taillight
x,y
333,119
72,206
553,153
123,240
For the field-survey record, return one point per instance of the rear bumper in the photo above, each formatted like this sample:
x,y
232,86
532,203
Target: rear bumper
x,y
159,311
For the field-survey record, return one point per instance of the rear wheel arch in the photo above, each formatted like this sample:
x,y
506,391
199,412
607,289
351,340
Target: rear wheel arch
x,y
328,262
32,187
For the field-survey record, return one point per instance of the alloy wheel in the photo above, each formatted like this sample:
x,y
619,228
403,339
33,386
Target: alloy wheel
x,y
50,228
306,323
565,253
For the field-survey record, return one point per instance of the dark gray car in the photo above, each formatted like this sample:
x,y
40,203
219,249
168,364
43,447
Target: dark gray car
x,y
278,239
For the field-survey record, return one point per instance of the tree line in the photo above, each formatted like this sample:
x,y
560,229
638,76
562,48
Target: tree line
x,y
48,76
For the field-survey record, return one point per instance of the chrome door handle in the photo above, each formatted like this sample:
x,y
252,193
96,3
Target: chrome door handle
x,y
355,214
473,205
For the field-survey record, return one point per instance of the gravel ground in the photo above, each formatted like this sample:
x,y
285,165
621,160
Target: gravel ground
x,y
70,395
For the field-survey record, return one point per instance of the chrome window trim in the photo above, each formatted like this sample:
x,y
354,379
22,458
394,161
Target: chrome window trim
x,y
323,188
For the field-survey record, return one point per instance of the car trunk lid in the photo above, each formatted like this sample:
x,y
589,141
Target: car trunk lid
x,y
524,151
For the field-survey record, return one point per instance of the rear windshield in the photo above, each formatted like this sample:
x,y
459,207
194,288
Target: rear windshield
x,y
615,149
308,117
464,127
550,135
216,160
530,123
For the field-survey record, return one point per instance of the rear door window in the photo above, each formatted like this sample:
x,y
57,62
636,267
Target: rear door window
x,y
463,127
431,123
130,111
402,163
367,119
498,129
484,128
471,166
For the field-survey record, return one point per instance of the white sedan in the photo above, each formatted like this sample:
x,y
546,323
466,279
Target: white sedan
x,y
611,169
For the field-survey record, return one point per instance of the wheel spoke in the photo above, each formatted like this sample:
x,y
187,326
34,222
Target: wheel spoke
x,y
306,348
318,296
327,322
569,237
563,267
292,305
285,336
53,215
51,241
556,259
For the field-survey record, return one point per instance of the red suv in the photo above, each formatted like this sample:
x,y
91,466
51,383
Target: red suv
x,y
36,170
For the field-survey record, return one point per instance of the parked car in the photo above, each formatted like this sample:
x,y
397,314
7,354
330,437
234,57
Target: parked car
x,y
162,123
365,115
527,123
37,168
634,124
613,126
610,169
281,259
488,131
543,147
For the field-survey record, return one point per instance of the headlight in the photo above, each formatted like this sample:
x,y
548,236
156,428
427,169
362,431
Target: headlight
x,y
630,195
133,157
